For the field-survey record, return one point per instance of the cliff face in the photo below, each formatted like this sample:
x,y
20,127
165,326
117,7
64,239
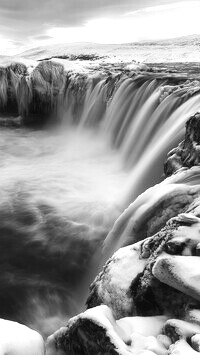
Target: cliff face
x,y
30,93
187,154
146,299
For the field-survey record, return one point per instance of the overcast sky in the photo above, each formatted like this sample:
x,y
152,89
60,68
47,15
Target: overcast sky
x,y
30,23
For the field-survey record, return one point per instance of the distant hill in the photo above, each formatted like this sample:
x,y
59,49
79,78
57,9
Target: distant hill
x,y
178,41
65,48
183,49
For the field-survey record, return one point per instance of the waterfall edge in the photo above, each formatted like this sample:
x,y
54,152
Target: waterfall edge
x,y
156,277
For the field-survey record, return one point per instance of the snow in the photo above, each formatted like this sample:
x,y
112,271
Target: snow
x,y
126,265
146,326
111,56
181,347
145,207
185,49
17,339
102,316
179,272
187,218
116,279
139,332
5,61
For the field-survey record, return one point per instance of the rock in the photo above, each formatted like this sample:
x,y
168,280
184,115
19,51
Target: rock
x,y
181,273
91,332
195,341
97,332
167,90
193,316
152,209
187,154
17,339
31,95
182,335
11,121
177,329
111,286
181,347
137,67
156,276
162,272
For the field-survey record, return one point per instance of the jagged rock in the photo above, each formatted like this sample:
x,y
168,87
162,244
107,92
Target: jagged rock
x,y
159,275
97,332
179,272
112,285
185,337
152,209
11,121
187,154
91,332
156,280
176,329
30,94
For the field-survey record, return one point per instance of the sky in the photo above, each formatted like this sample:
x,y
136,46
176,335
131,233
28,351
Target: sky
x,y
32,23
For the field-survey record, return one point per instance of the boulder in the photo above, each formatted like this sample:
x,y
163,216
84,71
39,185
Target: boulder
x,y
187,154
95,331
156,276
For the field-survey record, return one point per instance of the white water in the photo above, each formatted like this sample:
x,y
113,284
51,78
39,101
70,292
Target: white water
x,y
63,188
59,199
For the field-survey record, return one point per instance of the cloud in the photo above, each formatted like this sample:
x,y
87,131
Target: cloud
x,y
20,18
39,22
169,6
30,20
60,12
150,23
43,37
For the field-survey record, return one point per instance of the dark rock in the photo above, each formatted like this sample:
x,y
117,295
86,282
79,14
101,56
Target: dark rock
x,y
11,121
87,334
187,154
140,291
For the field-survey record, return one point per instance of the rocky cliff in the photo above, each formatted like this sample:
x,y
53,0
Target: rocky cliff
x,y
146,299
29,94
186,154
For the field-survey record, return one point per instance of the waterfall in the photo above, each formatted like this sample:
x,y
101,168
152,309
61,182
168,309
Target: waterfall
x,y
65,185
142,124
143,118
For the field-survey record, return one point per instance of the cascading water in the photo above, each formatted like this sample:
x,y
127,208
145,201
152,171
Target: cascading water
x,y
63,187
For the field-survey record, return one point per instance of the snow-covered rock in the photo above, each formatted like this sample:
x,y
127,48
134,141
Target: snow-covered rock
x,y
158,274
17,339
187,154
97,332
112,284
